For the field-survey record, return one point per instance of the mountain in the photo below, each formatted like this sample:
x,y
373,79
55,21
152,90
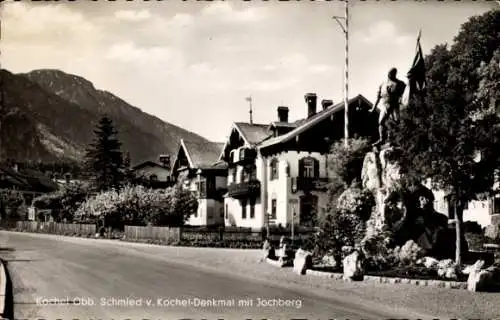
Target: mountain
x,y
48,114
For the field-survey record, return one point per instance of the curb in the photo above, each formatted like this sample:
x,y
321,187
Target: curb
x,y
323,274
388,280
3,288
279,264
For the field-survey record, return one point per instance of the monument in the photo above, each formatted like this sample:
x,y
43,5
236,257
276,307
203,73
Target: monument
x,y
390,93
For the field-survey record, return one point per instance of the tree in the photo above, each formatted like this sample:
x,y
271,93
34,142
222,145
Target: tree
x,y
104,157
64,202
442,134
10,203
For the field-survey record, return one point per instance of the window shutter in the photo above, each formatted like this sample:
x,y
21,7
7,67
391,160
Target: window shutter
x,y
316,168
301,167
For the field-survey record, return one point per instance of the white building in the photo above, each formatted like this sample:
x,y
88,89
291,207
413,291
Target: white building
x,y
196,166
278,171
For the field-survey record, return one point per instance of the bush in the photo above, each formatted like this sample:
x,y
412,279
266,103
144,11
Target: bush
x,y
136,205
10,203
63,202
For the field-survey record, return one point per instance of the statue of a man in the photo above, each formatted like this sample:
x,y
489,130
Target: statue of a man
x,y
391,94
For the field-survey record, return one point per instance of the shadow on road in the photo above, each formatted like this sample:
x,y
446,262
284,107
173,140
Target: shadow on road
x,y
9,297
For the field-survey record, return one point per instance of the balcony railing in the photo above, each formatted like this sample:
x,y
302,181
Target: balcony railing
x,y
310,184
244,189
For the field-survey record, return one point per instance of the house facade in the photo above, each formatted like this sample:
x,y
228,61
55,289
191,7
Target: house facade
x,y
484,212
154,174
197,168
278,172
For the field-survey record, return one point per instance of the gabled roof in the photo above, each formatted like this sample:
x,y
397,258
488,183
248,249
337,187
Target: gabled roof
x,y
28,180
147,163
200,155
252,133
305,124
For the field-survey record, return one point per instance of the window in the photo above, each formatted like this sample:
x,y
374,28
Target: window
x,y
308,168
496,205
252,208
227,212
222,213
243,209
234,172
274,169
202,187
242,175
273,209
253,173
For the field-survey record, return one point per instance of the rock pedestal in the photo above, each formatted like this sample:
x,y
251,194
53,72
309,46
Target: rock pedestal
x,y
400,213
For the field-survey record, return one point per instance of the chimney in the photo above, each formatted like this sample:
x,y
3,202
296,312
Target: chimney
x,y
311,100
283,114
325,103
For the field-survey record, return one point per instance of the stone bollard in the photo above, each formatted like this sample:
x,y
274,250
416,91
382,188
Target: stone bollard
x,y
302,261
353,266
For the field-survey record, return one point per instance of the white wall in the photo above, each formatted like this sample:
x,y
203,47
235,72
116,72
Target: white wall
x,y
281,187
234,214
478,211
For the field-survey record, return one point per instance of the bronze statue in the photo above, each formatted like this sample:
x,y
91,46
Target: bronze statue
x,y
391,94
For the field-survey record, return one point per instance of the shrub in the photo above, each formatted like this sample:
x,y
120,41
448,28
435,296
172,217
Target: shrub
x,y
410,252
10,203
136,205
63,202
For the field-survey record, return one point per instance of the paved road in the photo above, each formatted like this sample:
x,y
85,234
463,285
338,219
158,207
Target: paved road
x,y
54,278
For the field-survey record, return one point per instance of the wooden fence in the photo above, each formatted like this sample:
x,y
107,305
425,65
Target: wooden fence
x,y
153,233
166,234
56,228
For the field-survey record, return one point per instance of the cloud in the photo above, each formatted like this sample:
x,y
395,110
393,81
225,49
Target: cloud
x,y
167,58
56,24
383,32
222,11
131,15
217,8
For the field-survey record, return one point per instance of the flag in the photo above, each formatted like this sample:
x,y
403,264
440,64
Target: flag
x,y
249,99
416,74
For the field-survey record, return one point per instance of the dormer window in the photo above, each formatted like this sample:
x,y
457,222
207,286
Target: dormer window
x,y
274,169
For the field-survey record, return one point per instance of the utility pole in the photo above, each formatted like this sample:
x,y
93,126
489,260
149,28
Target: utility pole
x,y
345,29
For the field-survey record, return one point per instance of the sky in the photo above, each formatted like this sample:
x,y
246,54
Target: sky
x,y
193,63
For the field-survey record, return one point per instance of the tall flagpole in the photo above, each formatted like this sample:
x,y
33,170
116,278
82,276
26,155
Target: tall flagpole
x,y
345,29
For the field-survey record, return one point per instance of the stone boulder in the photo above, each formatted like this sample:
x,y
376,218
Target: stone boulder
x,y
302,261
480,279
353,266
329,260
429,262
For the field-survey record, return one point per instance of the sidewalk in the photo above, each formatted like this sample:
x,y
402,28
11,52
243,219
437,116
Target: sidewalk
x,y
434,302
